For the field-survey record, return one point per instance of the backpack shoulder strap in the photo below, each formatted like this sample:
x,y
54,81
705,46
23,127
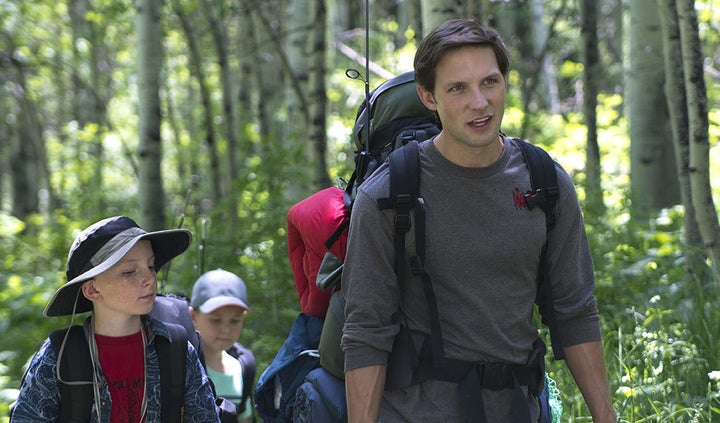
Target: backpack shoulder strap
x,y
249,368
174,309
544,194
75,366
171,356
404,165
543,180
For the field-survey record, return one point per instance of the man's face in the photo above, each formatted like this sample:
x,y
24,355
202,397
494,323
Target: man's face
x,y
469,98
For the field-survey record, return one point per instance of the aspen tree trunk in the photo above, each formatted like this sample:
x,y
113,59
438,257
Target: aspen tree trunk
x,y
271,89
541,50
298,48
87,104
26,148
409,17
197,69
149,64
318,97
248,60
476,10
653,179
699,162
676,98
4,146
435,12
591,60
214,11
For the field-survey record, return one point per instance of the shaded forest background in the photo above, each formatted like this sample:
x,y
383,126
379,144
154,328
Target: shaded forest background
x,y
219,115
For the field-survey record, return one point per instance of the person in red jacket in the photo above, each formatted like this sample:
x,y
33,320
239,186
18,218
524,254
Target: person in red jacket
x,y
311,222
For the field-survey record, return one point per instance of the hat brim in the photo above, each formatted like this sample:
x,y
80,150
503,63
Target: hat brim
x,y
166,245
221,301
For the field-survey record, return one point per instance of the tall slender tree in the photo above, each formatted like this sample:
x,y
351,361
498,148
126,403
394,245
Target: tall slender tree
x,y
591,76
149,45
317,94
435,12
198,71
699,159
677,99
653,180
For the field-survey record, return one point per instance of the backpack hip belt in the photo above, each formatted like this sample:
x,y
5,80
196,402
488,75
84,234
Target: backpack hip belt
x,y
488,375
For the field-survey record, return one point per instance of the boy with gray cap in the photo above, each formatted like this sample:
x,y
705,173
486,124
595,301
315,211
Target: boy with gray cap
x,y
218,306
112,272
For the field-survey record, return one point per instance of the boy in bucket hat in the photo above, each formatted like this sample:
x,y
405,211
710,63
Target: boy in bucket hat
x,y
112,272
218,306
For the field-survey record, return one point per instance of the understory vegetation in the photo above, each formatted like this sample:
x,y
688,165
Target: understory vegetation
x,y
659,325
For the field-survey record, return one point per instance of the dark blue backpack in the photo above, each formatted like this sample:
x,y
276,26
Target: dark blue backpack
x,y
278,384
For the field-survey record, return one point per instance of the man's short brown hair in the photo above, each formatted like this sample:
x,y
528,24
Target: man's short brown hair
x,y
450,35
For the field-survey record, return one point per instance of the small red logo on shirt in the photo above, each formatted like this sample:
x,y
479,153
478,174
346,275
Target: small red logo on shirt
x,y
519,199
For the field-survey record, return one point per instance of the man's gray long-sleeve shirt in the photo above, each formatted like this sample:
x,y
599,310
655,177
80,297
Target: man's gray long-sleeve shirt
x,y
482,254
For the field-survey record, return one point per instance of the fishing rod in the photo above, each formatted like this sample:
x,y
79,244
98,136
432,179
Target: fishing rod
x,y
162,281
201,247
364,158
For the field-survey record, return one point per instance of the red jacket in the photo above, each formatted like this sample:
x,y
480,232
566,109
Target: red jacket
x,y
310,223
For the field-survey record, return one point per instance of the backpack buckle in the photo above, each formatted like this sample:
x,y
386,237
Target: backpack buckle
x,y
403,201
416,266
402,222
495,376
539,197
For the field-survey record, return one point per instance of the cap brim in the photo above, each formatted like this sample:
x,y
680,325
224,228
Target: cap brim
x,y
221,301
166,245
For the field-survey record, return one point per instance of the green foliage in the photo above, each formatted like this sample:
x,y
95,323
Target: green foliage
x,y
659,326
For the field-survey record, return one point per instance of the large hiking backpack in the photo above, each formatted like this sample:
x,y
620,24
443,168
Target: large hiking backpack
x,y
317,233
75,365
391,118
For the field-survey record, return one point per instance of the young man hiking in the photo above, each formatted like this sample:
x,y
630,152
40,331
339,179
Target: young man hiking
x,y
482,254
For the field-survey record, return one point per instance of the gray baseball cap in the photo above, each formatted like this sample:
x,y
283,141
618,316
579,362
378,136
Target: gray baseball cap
x,y
218,288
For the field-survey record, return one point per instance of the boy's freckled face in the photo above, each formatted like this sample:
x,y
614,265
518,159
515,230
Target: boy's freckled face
x,y
130,286
220,328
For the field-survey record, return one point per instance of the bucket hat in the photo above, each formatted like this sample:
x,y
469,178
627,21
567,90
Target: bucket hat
x,y
102,245
218,288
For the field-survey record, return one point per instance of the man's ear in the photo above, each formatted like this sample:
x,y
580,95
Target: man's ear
x,y
426,97
192,314
89,290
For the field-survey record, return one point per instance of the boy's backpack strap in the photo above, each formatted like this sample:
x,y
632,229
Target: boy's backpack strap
x,y
171,355
544,194
171,308
75,366
249,368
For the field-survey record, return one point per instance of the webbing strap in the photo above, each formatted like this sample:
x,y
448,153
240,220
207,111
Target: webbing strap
x,y
75,366
171,355
472,405
404,188
544,194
